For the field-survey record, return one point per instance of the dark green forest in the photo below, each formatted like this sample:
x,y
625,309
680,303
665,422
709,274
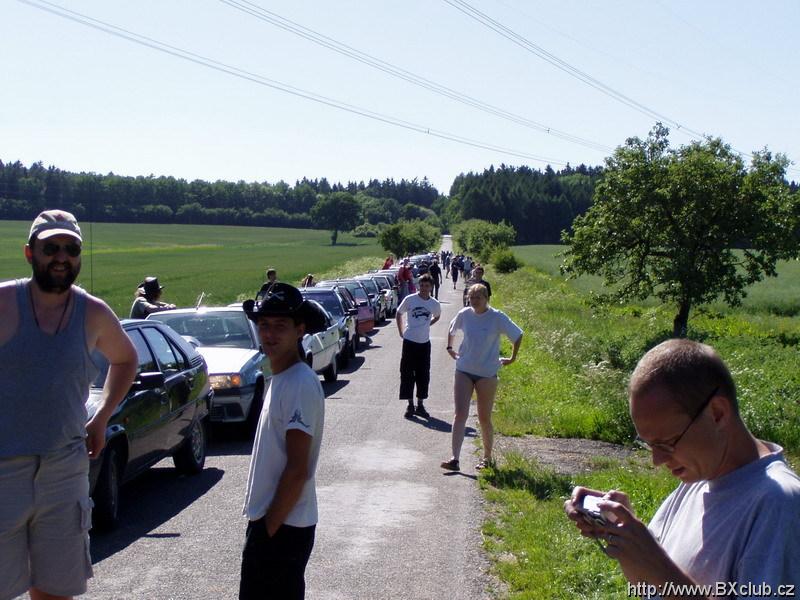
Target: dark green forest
x,y
538,204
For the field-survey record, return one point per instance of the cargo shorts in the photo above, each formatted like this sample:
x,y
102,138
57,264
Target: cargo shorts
x,y
45,516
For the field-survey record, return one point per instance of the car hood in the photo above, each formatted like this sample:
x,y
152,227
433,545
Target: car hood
x,y
226,360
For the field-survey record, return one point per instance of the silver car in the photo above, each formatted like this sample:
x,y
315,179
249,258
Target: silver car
x,y
238,371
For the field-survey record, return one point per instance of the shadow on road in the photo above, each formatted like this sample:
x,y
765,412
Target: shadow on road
x,y
439,425
332,388
459,473
353,365
148,502
230,440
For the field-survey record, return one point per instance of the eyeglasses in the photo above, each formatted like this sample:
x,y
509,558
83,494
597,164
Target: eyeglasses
x,y
670,448
51,249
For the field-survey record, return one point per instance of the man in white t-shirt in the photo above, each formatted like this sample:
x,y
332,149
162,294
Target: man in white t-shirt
x,y
281,499
732,524
415,362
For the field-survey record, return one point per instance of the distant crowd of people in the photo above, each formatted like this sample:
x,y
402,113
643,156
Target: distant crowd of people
x,y
731,524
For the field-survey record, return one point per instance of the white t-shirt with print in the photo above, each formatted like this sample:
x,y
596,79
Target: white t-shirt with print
x,y
294,400
419,314
479,353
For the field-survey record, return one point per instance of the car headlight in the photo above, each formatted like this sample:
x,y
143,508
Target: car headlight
x,y
221,382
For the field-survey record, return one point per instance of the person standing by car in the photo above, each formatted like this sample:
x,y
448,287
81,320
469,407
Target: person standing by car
x,y
405,278
387,264
436,274
477,364
148,299
281,499
415,360
48,331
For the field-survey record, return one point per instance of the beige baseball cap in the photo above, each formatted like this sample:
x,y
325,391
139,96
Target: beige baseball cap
x,y
55,222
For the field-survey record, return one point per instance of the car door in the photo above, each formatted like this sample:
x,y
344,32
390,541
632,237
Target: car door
x,y
178,385
142,412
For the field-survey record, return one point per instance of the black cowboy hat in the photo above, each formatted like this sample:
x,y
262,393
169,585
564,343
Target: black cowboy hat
x,y
284,300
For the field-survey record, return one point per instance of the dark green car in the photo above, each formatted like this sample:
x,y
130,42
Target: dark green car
x,y
165,413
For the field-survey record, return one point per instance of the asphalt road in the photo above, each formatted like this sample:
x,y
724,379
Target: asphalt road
x,y
392,523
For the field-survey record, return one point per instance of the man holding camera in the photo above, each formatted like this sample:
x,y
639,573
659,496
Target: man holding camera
x,y
734,519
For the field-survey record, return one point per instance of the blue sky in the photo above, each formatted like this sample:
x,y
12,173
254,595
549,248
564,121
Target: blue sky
x,y
84,100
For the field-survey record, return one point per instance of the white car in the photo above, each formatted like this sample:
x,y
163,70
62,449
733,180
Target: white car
x,y
238,371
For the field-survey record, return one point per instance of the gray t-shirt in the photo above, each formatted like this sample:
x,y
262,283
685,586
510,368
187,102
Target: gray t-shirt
x,y
479,353
743,527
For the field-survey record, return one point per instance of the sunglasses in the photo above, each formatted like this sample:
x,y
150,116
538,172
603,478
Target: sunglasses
x,y
51,249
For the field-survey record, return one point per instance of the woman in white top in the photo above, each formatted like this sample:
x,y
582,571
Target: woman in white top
x,y
477,363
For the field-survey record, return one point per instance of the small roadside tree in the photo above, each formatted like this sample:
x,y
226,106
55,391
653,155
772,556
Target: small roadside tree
x,y
407,237
338,211
686,225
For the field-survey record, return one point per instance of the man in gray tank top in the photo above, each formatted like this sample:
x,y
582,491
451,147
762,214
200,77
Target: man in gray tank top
x,y
48,331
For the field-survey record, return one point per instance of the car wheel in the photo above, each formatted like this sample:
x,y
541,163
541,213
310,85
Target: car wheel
x,y
105,514
344,356
191,456
331,373
255,407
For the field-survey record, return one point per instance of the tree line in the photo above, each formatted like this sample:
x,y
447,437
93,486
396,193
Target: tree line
x,y
538,204
25,191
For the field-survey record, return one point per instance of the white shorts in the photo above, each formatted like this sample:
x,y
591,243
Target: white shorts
x,y
45,516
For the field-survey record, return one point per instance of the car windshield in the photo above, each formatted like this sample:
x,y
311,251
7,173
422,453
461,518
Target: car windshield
x,y
329,301
371,286
357,291
381,282
228,329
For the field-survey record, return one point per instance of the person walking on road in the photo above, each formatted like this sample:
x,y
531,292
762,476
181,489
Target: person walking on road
x,y
415,361
281,498
435,272
477,364
454,268
48,332
148,299
477,277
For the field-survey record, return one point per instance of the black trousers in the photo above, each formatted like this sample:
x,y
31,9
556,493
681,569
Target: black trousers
x,y
274,567
415,368
436,288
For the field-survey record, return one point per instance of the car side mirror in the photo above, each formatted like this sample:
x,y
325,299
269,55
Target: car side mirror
x,y
371,296
352,312
149,381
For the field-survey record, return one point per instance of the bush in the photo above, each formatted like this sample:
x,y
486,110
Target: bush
x,y
504,261
480,238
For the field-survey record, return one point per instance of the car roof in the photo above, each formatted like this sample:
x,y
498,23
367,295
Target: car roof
x,y
200,310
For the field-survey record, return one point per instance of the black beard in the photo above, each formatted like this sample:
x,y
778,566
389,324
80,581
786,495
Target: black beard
x,y
54,284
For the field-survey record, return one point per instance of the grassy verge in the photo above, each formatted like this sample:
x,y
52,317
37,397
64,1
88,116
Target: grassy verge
x,y
570,382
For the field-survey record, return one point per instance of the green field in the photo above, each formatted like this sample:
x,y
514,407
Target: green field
x,y
224,262
774,295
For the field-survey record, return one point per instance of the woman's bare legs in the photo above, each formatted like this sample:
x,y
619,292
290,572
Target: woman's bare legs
x,y
486,389
462,395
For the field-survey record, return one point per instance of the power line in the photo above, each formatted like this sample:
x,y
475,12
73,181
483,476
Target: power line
x,y
320,39
154,44
573,71
563,65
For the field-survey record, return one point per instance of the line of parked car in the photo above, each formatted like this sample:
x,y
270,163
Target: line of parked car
x,y
204,365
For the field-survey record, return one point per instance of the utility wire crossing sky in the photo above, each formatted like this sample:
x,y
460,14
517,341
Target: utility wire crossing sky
x,y
353,92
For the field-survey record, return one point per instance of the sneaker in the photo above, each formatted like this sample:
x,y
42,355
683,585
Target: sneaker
x,y
409,411
484,463
451,465
421,412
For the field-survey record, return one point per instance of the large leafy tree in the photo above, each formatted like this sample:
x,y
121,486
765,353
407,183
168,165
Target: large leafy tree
x,y
686,225
338,211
